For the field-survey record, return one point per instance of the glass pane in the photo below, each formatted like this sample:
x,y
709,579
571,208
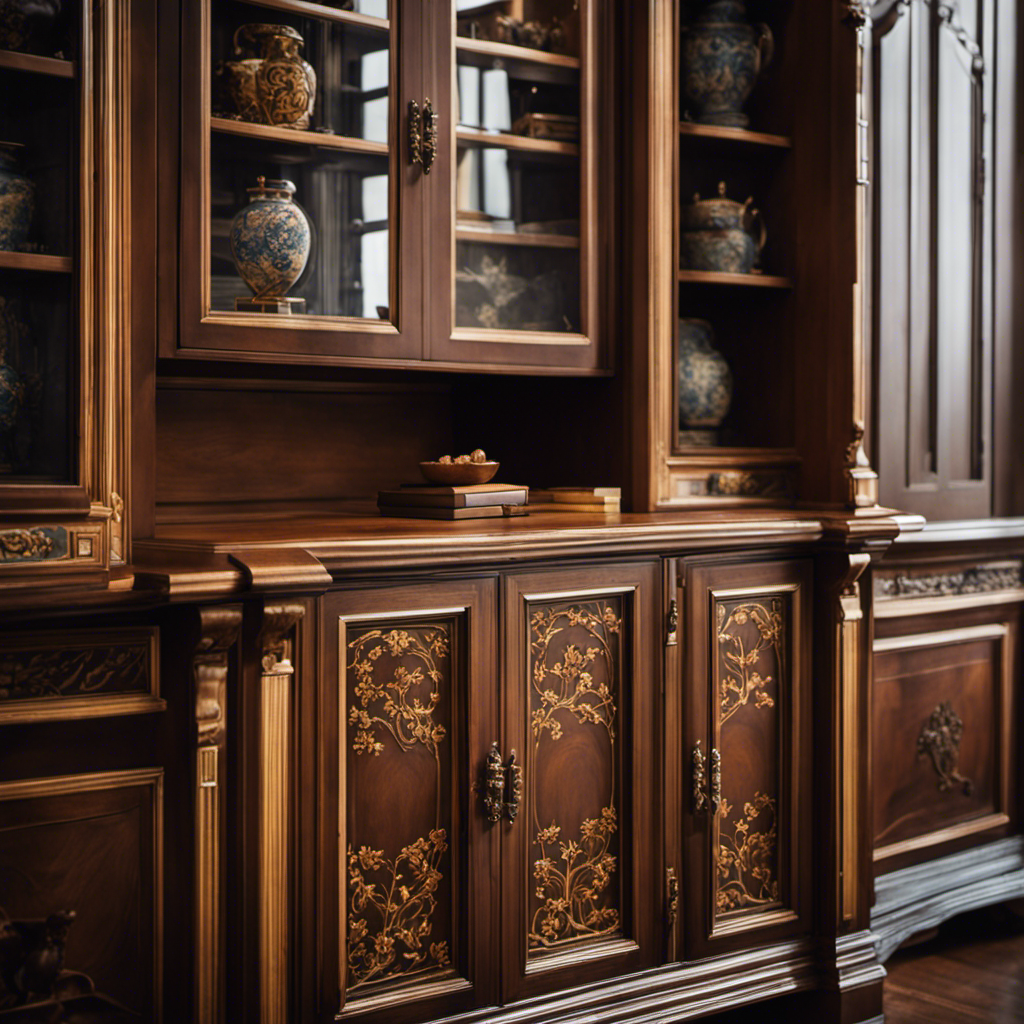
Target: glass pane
x,y
299,171
518,179
38,296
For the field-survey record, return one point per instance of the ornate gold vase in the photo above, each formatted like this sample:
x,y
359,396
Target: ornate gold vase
x,y
271,83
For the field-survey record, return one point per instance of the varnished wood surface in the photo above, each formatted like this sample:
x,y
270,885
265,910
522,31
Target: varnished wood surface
x,y
972,971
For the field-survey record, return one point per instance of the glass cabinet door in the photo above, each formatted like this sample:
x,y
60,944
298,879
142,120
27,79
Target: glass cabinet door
x,y
297,232
522,207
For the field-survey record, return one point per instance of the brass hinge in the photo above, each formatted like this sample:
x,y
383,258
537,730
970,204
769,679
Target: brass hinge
x,y
671,897
672,623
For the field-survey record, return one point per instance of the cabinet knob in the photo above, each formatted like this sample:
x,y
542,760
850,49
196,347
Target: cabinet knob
x,y
699,779
716,780
515,791
422,134
494,785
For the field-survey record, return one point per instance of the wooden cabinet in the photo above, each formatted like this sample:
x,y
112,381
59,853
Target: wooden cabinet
x,y
430,186
746,701
495,789
63,465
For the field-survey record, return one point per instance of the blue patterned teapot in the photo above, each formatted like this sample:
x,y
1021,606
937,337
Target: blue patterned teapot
x,y
718,234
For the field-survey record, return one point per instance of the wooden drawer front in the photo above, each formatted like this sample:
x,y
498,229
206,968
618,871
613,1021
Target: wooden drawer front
x,y
78,674
940,715
88,846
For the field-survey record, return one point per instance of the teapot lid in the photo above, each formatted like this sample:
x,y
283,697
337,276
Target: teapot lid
x,y
721,198
272,188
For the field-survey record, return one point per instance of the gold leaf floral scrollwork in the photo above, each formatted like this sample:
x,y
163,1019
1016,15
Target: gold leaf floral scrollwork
x,y
393,900
739,657
573,876
746,856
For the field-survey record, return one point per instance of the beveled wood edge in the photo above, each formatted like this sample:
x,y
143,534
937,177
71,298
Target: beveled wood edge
x,y
942,835
942,637
897,608
967,531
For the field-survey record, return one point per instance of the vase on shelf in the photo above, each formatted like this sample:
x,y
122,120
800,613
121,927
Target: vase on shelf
x,y
718,234
17,198
270,243
705,383
269,83
26,25
722,57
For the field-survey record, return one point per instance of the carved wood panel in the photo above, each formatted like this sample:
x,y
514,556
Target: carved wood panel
x,y
576,690
399,681
579,886
747,759
939,706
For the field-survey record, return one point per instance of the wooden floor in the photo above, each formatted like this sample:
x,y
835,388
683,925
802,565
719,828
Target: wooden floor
x,y
972,972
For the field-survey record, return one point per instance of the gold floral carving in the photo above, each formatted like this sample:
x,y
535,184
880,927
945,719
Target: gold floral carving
x,y
74,671
18,544
750,636
741,654
392,900
940,740
746,856
573,875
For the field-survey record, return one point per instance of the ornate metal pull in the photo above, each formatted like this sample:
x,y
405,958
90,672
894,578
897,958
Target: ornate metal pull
x,y
716,780
429,136
415,133
672,906
700,799
515,791
494,785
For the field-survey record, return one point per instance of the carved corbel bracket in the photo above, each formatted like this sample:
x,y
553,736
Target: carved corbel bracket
x,y
218,629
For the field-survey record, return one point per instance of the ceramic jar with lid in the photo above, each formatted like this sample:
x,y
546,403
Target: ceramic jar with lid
x,y
704,381
17,198
718,234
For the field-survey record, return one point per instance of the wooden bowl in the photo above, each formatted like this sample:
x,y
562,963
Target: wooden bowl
x,y
459,474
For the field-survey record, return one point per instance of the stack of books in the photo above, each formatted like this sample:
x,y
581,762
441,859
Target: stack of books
x,y
473,501
577,499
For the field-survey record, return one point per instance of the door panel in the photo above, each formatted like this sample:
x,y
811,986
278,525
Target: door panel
x,y
414,684
580,694
748,633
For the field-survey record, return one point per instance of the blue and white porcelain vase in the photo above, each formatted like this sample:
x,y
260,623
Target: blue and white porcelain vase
x,y
17,198
705,380
270,239
722,56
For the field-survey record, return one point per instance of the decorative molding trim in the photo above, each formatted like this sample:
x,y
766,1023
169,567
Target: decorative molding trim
x,y
939,740
923,896
65,675
34,544
218,629
989,578
276,647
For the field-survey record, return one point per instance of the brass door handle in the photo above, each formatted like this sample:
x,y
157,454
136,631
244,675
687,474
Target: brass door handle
x,y
698,779
422,134
515,788
494,785
429,136
716,780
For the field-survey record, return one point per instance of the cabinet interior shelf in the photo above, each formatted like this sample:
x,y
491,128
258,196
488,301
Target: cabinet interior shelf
x,y
516,143
714,134
36,261
743,280
307,9
297,137
483,52
52,66
517,238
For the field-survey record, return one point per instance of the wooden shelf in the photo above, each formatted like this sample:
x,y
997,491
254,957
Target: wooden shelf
x,y
718,135
275,133
307,9
742,280
516,143
517,238
35,261
484,48
52,66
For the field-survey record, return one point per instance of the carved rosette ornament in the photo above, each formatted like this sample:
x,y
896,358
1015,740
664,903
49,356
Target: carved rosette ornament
x,y
939,740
